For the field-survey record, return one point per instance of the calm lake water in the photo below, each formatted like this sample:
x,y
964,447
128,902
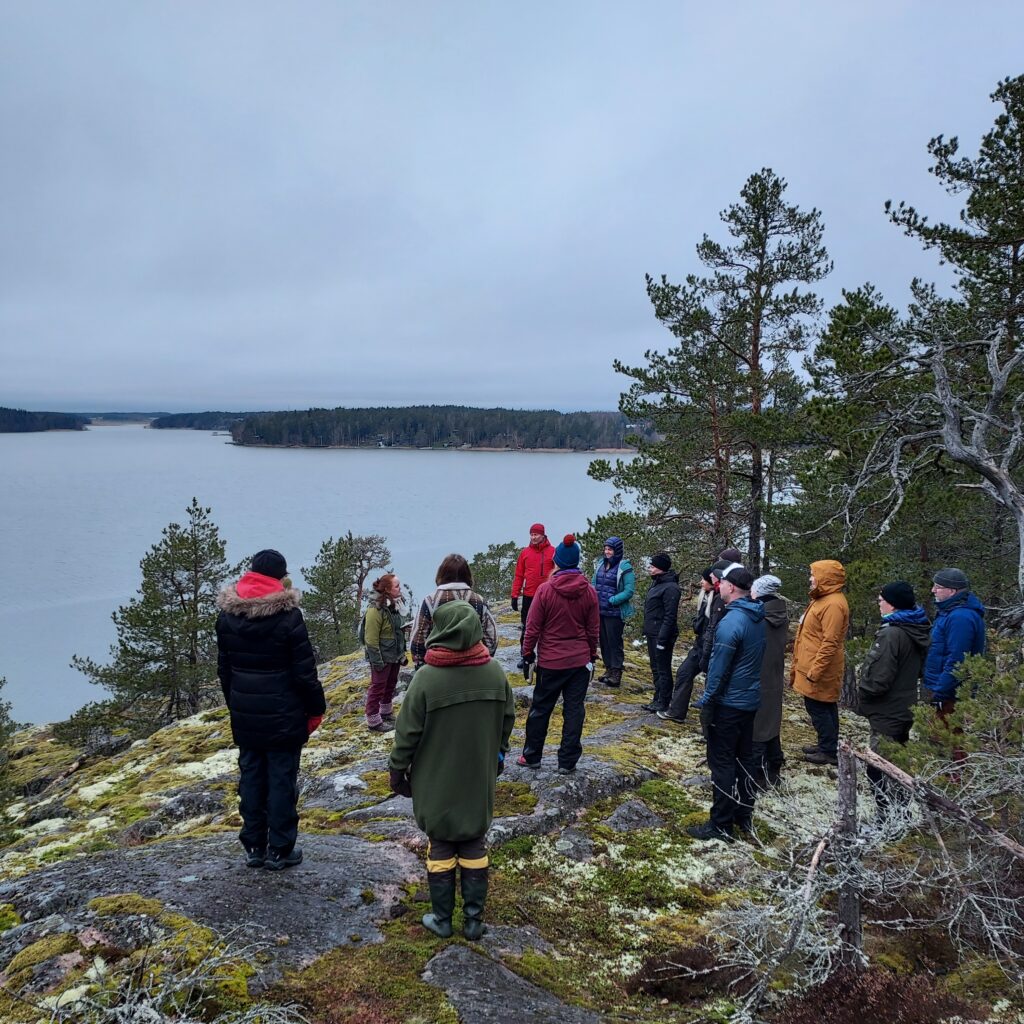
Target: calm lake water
x,y
81,509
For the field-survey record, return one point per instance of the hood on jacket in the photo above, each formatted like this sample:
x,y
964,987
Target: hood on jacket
x,y
961,599
754,610
829,575
914,622
257,607
615,543
775,611
570,583
455,626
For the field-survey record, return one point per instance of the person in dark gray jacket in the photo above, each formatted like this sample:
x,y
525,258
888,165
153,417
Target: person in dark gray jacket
x,y
767,744
661,609
887,683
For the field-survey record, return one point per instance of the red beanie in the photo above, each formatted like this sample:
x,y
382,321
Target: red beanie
x,y
538,528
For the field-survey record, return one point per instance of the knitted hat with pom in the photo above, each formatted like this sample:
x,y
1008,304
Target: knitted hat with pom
x,y
567,554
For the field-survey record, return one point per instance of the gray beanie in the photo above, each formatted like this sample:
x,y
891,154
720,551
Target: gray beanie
x,y
766,586
954,579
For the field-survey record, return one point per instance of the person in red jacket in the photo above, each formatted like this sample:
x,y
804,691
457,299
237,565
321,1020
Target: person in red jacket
x,y
533,567
563,628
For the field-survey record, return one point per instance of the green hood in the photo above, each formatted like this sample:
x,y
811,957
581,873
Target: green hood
x,y
456,627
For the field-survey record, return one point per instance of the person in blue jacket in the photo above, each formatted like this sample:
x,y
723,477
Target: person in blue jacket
x,y
615,583
958,630
732,690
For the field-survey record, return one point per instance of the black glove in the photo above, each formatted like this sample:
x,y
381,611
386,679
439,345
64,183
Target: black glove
x,y
515,604
399,781
529,659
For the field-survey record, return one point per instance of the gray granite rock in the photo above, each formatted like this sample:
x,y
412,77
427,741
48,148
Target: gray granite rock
x,y
631,815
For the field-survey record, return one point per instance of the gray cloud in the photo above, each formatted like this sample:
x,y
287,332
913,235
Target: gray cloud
x,y
270,205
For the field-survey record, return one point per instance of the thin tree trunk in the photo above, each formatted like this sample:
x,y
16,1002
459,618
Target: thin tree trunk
x,y
846,839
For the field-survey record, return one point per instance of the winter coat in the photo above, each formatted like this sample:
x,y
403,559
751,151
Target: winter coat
x,y
564,623
452,725
615,584
444,593
661,608
707,640
534,565
734,675
383,636
703,613
959,630
267,670
768,721
887,684
819,654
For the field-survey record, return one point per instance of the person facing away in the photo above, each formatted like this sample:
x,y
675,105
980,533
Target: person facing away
x,y
454,581
887,682
689,668
267,670
384,645
661,609
819,657
450,742
534,565
732,691
615,583
958,630
767,751
563,630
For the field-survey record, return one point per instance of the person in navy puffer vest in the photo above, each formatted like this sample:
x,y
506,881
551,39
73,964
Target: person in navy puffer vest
x,y
733,692
958,630
615,583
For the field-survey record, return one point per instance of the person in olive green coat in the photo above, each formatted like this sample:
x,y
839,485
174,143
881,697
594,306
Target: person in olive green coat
x,y
383,636
450,743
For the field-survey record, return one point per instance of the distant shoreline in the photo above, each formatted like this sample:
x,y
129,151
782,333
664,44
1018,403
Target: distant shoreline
x,y
452,448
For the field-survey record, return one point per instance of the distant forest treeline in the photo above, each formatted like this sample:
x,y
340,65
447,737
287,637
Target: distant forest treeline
x,y
435,426
18,421
199,420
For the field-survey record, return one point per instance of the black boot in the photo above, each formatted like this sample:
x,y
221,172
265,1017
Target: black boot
x,y
614,677
442,902
474,896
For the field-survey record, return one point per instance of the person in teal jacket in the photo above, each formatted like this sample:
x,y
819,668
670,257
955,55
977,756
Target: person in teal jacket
x,y
615,583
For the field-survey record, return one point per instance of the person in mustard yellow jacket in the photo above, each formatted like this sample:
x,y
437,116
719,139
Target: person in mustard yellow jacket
x,y
819,657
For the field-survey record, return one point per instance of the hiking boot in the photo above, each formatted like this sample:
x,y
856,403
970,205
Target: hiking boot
x,y
474,896
389,717
614,677
278,861
603,679
652,708
811,748
442,903
255,856
820,757
708,831
384,725
667,716
566,771
523,763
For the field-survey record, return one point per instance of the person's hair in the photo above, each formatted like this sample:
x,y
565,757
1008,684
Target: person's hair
x,y
454,569
382,588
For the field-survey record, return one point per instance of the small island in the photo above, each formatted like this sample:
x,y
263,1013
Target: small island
x,y
20,421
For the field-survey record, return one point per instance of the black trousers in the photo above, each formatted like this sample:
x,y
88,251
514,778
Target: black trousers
x,y
661,670
268,792
524,610
687,672
889,794
571,685
611,641
732,767
768,760
825,719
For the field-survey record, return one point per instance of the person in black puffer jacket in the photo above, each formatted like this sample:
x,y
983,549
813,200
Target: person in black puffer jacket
x,y
267,671
661,627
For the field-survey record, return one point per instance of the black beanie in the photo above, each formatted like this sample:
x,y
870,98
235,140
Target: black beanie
x,y
706,575
662,561
899,594
270,563
733,554
740,577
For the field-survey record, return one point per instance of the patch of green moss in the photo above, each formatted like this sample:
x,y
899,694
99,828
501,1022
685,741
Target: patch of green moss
x,y
561,977
8,917
513,799
978,980
125,903
894,962
672,802
42,950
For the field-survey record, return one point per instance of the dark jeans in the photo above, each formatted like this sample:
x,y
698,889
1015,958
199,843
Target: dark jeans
x,y
825,719
685,675
268,793
611,641
768,760
732,766
888,792
661,670
571,685
524,610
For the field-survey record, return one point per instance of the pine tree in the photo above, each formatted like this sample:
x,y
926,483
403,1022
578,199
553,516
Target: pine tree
x,y
164,664
494,569
330,606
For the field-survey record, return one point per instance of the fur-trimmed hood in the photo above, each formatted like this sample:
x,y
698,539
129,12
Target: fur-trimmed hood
x,y
257,607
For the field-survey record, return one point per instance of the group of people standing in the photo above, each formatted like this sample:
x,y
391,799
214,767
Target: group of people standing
x,y
453,730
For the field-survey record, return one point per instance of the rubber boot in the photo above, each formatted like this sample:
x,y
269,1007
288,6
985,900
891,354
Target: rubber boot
x,y
474,896
442,902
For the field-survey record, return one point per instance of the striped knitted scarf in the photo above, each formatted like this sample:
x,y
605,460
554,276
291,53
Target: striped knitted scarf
x,y
442,657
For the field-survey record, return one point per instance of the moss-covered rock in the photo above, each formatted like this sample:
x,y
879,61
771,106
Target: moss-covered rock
x,y
125,903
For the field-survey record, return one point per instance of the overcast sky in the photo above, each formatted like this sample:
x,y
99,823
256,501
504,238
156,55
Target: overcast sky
x,y
276,205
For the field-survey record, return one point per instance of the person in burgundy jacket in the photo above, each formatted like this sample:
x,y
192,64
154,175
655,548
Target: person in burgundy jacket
x,y
562,630
533,567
